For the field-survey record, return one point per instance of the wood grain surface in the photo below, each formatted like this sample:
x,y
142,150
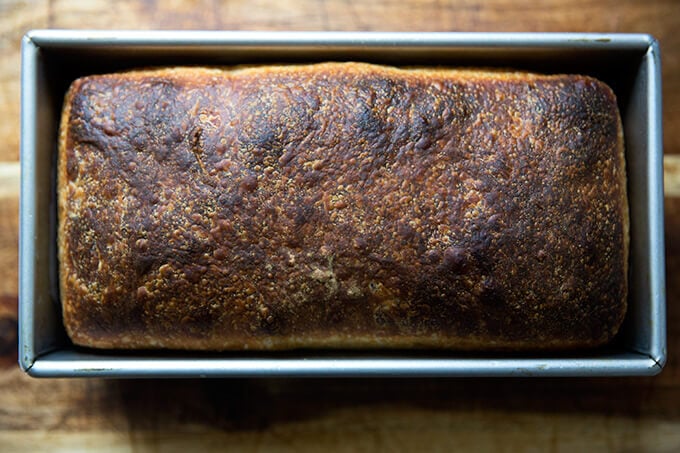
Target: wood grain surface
x,y
624,414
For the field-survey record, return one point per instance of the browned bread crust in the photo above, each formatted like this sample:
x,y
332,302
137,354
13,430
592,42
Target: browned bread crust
x,y
341,205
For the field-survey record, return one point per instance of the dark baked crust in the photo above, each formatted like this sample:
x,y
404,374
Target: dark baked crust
x,y
341,205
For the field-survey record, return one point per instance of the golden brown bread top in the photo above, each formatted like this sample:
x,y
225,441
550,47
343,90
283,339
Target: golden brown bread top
x,y
341,205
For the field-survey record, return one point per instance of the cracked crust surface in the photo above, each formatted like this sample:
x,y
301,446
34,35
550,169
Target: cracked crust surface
x,y
341,205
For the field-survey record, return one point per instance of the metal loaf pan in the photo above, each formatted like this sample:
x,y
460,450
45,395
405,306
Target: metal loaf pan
x,y
629,63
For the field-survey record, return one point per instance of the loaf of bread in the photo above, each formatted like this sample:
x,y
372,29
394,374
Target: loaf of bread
x,y
341,205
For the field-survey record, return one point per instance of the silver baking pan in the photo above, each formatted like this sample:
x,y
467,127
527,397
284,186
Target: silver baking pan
x,y
629,63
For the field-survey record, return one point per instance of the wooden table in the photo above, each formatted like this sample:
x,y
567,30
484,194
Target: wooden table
x,y
625,414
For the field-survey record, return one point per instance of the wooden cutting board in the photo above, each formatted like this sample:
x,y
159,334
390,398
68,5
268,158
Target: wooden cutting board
x,y
624,414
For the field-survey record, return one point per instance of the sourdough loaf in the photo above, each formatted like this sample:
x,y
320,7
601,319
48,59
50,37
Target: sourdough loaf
x,y
341,205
